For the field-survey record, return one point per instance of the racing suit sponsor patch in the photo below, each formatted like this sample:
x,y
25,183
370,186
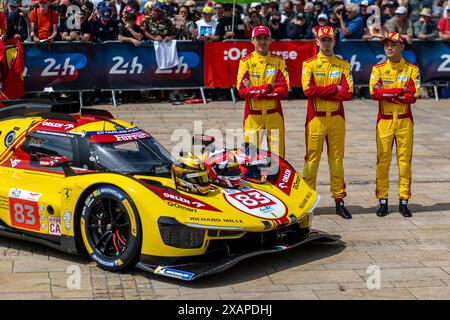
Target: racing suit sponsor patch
x,y
335,74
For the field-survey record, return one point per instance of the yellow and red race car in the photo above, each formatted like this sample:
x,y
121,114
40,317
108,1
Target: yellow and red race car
x,y
86,182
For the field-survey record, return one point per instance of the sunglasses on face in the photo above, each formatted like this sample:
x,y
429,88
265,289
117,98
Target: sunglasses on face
x,y
218,8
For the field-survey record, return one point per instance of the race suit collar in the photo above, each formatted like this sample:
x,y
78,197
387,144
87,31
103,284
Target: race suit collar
x,y
324,57
261,56
395,64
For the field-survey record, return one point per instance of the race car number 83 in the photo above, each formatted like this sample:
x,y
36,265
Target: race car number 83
x,y
253,199
24,214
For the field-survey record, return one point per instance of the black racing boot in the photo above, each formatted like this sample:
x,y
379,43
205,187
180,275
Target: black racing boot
x,y
342,210
383,209
403,208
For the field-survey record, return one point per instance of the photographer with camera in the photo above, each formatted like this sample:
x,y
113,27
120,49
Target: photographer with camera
x,y
351,23
277,28
129,31
299,28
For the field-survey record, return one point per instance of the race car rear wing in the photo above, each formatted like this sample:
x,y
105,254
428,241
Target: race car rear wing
x,y
38,107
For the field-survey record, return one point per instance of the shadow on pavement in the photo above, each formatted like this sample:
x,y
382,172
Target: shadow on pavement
x,y
261,266
393,208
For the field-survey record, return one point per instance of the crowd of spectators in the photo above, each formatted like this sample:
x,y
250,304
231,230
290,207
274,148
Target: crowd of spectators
x,y
135,21
162,20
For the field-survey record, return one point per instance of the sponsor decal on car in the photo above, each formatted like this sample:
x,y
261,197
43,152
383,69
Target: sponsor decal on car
x,y
58,125
23,208
54,226
285,180
24,194
14,162
206,219
182,199
174,273
305,201
119,195
132,136
67,218
255,202
104,262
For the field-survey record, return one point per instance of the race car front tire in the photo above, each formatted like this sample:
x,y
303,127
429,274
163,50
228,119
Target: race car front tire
x,y
110,228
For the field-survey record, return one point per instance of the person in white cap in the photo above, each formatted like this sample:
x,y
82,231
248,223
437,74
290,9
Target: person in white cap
x,y
322,20
401,24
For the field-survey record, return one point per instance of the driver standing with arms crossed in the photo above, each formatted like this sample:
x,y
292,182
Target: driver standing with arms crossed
x,y
262,81
327,82
395,84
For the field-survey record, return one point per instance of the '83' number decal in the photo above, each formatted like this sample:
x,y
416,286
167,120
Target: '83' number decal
x,y
253,199
24,214
257,203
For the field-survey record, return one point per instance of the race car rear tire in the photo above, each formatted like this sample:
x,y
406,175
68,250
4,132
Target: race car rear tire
x,y
110,228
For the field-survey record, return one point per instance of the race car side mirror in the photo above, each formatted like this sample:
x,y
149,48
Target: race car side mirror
x,y
53,161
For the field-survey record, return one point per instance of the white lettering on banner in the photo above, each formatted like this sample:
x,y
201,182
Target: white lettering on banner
x,y
53,70
445,65
122,67
234,54
355,65
180,68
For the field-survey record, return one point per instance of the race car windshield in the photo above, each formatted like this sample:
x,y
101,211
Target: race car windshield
x,y
143,156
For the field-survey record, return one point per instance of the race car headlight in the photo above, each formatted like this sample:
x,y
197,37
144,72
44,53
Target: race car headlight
x,y
178,235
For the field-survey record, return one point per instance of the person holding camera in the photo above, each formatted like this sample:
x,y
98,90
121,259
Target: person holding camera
x,y
299,28
277,28
129,31
353,26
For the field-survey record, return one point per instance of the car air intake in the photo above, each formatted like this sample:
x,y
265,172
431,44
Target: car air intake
x,y
178,235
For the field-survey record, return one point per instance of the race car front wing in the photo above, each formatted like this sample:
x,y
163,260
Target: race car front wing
x,y
194,270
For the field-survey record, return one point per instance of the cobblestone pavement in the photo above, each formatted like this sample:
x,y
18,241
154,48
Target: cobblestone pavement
x,y
413,254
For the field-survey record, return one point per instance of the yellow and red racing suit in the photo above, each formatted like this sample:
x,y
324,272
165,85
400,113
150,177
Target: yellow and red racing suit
x,y
396,87
262,101
325,118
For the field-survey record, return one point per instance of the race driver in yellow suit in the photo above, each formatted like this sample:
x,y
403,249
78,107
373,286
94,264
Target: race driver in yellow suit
x,y
395,84
262,81
327,82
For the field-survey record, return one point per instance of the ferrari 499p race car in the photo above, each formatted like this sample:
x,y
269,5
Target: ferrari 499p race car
x,y
86,182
